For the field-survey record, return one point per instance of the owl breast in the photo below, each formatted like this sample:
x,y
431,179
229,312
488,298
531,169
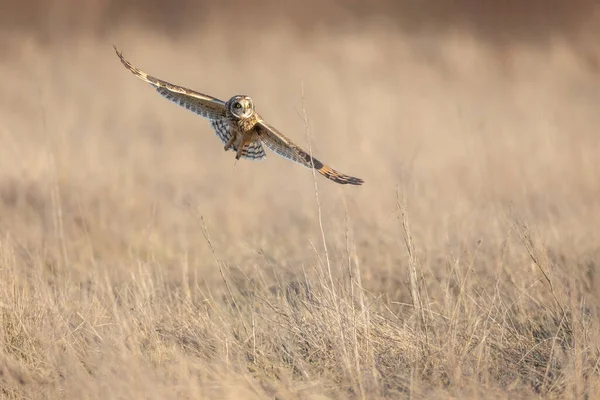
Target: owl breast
x,y
246,124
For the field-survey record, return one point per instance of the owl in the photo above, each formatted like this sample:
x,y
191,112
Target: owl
x,y
239,126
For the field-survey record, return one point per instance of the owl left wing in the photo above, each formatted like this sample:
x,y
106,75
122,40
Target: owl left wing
x,y
283,146
201,104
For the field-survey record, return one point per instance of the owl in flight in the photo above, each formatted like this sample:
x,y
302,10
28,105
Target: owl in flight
x,y
239,126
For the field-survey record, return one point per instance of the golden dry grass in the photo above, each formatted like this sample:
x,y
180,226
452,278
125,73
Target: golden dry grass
x,y
138,260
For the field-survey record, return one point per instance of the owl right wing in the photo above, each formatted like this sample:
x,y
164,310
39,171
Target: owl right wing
x,y
283,146
201,104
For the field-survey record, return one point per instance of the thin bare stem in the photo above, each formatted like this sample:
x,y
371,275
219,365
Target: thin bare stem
x,y
415,291
220,266
320,217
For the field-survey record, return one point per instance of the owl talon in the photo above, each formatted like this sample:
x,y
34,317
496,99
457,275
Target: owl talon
x,y
230,142
238,153
241,146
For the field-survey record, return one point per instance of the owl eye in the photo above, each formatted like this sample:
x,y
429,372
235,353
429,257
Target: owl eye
x,y
238,105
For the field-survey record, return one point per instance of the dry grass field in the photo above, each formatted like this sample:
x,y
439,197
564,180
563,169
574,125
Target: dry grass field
x,y
138,260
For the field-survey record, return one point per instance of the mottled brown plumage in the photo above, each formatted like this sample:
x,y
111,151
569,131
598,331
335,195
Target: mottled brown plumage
x,y
239,126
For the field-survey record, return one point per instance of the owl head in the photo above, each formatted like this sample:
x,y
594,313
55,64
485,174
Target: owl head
x,y
241,106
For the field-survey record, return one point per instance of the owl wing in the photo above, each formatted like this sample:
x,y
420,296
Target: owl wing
x,y
201,104
283,146
222,129
253,151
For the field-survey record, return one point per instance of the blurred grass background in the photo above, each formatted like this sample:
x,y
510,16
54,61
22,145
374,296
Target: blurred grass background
x,y
140,260
535,20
